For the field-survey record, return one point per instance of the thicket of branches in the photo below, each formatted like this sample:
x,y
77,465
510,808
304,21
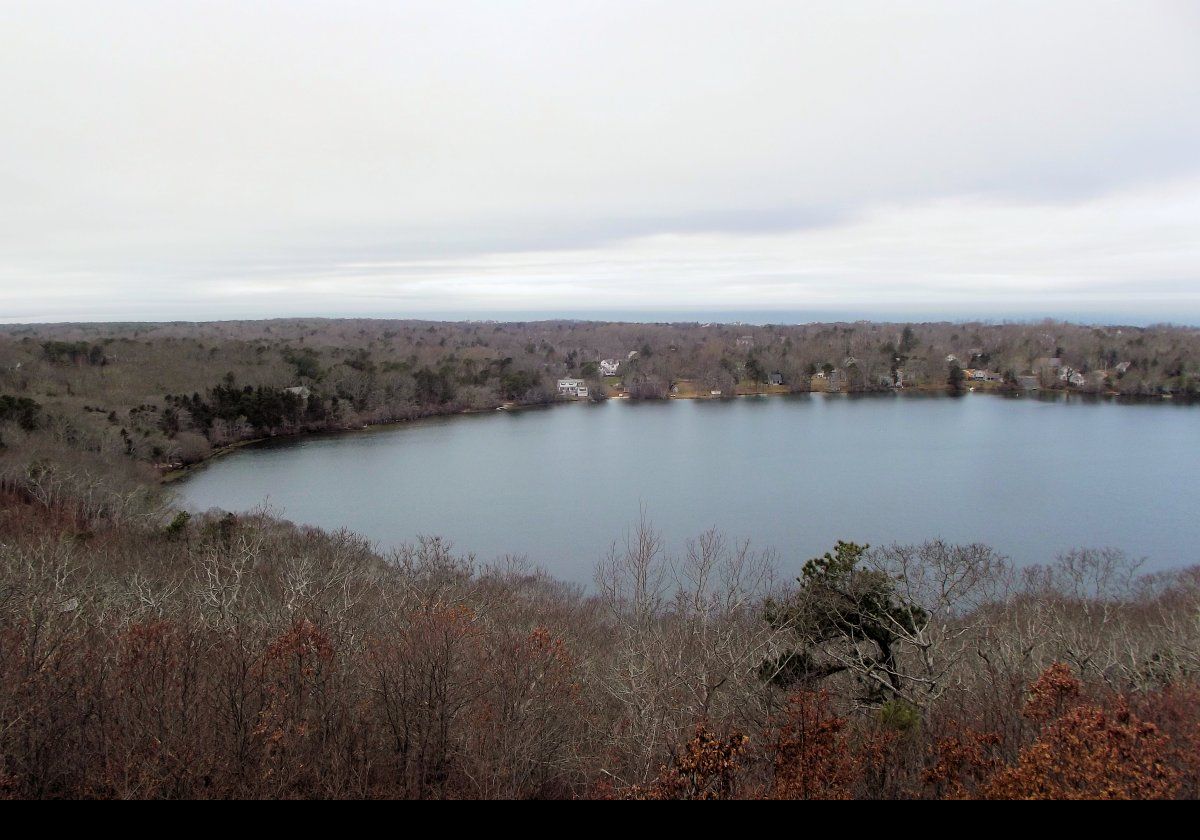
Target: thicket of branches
x,y
145,653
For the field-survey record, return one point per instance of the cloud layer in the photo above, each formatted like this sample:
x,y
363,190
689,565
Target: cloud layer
x,y
229,160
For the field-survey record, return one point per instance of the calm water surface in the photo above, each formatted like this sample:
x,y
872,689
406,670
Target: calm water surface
x,y
1029,477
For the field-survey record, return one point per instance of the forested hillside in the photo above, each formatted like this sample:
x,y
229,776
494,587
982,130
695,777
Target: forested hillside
x,y
167,656
168,394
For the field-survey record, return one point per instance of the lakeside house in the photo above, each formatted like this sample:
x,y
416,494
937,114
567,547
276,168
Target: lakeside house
x,y
609,367
299,390
572,388
981,375
1072,376
775,378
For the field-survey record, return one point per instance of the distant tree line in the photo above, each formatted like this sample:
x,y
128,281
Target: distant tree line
x,y
264,408
22,411
74,352
99,387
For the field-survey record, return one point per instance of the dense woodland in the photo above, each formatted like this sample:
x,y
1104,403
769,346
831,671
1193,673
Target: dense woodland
x,y
168,394
148,653
157,655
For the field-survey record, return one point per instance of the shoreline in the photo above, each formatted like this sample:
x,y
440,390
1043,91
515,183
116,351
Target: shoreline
x,y
173,475
177,473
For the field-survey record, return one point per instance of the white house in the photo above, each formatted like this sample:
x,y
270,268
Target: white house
x,y
572,388
608,367
1072,376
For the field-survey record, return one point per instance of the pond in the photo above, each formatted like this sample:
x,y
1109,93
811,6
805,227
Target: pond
x,y
1030,477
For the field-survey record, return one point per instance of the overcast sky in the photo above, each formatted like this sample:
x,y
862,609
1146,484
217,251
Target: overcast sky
x,y
176,160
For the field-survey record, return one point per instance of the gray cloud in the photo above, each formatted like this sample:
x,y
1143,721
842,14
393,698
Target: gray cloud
x,y
207,159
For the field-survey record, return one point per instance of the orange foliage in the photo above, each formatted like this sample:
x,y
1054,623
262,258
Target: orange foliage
x,y
962,763
806,755
1174,710
1085,751
707,767
294,673
1051,693
811,755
